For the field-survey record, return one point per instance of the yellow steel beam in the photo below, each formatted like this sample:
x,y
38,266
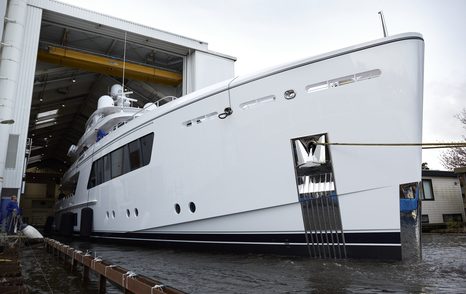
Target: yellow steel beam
x,y
108,66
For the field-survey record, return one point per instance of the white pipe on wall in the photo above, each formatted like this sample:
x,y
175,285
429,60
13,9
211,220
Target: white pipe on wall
x,y
2,16
10,58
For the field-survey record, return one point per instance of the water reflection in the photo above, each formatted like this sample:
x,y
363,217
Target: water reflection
x,y
443,269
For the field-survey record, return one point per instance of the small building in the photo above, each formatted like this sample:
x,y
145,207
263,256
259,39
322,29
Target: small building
x,y
442,200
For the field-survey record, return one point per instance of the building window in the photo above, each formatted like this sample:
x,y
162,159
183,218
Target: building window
x,y
427,191
425,219
453,217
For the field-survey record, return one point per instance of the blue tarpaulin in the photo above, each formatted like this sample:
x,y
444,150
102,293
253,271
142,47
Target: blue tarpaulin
x,y
101,134
409,204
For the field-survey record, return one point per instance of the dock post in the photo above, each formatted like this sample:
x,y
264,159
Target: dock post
x,y
85,273
102,284
73,264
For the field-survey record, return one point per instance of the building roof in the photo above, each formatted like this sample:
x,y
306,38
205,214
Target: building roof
x,y
460,170
438,173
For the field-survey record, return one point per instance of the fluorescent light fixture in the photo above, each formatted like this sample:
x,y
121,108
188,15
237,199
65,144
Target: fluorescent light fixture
x,y
47,113
45,121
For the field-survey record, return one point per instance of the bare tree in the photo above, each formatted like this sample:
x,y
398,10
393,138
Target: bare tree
x,y
455,157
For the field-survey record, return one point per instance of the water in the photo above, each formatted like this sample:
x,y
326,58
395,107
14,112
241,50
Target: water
x,y
442,270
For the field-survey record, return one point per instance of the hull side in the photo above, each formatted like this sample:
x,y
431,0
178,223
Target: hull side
x,y
239,172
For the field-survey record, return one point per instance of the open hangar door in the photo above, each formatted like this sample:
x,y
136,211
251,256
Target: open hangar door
x,y
76,65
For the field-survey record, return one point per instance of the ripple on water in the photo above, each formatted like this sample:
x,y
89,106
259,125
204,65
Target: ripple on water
x,y
443,269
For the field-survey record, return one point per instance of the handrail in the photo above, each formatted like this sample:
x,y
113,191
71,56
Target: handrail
x,y
156,103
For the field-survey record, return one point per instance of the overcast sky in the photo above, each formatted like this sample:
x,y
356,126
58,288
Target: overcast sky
x,y
264,33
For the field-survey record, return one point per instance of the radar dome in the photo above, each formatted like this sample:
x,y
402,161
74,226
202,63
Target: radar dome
x,y
116,90
150,106
104,101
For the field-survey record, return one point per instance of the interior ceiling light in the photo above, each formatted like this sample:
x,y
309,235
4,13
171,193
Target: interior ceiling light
x,y
45,121
47,113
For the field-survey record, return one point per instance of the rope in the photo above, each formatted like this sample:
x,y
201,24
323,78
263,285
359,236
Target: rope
x,y
94,261
423,145
108,266
124,280
159,288
88,253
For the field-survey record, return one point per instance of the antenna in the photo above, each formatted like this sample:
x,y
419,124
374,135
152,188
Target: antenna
x,y
124,64
123,93
384,27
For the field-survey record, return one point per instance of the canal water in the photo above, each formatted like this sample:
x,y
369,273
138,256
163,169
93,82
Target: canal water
x,y
442,270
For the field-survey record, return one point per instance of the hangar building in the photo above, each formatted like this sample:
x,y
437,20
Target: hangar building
x,y
56,60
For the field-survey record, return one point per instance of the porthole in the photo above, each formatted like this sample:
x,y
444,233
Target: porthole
x,y
177,208
113,213
108,214
192,207
136,212
289,94
128,214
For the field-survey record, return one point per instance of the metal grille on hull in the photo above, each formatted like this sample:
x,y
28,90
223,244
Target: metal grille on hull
x,y
318,198
321,214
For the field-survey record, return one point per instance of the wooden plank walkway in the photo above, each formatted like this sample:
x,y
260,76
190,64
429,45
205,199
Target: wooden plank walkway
x,y
127,280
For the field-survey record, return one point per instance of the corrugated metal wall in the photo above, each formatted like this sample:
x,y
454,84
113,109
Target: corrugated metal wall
x,y
22,108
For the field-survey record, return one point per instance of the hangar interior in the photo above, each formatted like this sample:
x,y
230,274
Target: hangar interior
x,y
77,62
67,87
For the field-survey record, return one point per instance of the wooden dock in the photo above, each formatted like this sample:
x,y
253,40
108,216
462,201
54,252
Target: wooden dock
x,y
125,279
11,280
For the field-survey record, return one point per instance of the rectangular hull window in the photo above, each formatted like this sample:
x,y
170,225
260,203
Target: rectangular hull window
x,y
125,159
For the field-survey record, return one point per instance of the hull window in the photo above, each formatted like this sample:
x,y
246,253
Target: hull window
x,y
123,160
69,187
146,148
200,119
341,81
117,163
135,155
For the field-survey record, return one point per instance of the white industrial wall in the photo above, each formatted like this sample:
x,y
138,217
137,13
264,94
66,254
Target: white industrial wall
x,y
2,16
22,102
205,69
447,199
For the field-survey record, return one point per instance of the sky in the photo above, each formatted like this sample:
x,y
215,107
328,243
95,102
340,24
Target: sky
x,y
265,33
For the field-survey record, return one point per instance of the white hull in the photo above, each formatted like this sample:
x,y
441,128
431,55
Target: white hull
x,y
240,171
